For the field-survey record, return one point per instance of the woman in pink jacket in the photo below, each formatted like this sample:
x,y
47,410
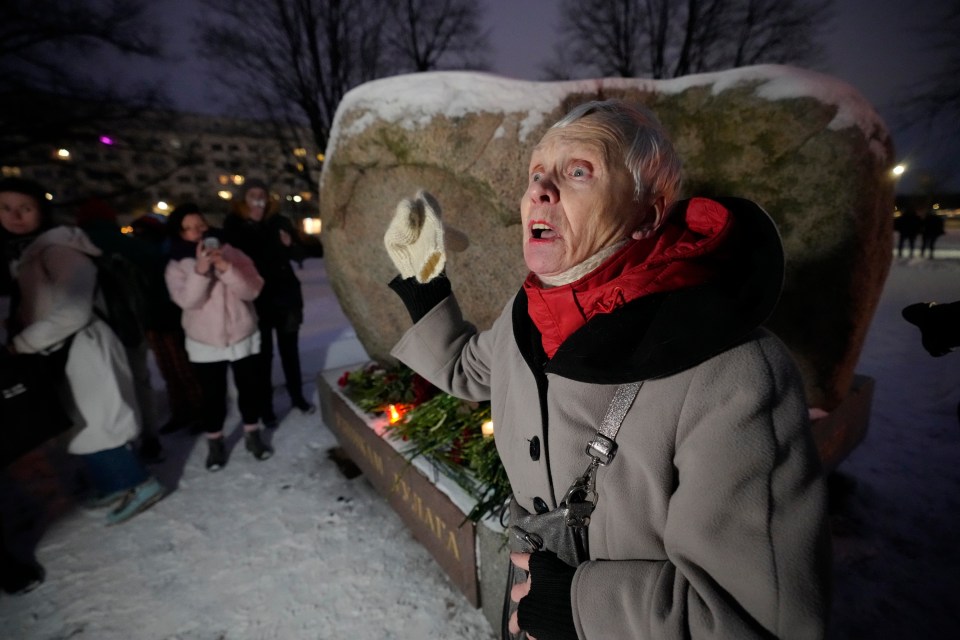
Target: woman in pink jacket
x,y
215,285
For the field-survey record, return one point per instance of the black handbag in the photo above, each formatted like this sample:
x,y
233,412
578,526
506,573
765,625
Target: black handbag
x,y
31,411
564,530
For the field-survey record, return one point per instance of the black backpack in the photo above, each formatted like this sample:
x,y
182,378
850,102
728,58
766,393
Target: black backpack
x,y
121,300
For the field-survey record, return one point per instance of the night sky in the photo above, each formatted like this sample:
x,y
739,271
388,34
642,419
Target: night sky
x,y
878,46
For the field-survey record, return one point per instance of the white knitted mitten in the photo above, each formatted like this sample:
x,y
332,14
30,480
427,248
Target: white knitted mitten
x,y
414,239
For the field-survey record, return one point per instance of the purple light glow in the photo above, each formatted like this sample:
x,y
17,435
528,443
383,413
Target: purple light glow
x,y
107,140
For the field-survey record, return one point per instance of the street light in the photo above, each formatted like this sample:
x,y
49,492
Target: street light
x,y
898,170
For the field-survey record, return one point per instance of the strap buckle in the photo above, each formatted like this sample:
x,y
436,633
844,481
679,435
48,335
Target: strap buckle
x,y
602,449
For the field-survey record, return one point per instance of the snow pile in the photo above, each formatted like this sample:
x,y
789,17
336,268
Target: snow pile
x,y
414,100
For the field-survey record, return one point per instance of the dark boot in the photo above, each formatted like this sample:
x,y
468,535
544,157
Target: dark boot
x,y
151,452
19,577
303,406
939,325
270,419
217,454
256,446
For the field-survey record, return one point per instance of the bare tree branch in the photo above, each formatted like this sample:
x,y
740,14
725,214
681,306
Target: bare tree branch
x,y
664,38
424,35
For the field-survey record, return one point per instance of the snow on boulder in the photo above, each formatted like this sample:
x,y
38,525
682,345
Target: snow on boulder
x,y
806,147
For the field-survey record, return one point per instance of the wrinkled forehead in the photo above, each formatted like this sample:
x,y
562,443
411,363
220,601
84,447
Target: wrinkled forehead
x,y
589,133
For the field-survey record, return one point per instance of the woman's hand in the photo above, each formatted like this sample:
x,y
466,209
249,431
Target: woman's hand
x,y
203,260
519,591
220,263
414,238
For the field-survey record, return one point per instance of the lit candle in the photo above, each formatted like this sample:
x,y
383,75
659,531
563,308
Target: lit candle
x,y
394,414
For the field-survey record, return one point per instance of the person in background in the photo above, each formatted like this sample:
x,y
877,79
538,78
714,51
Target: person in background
x,y
165,335
54,281
99,221
256,227
907,227
710,520
215,284
931,228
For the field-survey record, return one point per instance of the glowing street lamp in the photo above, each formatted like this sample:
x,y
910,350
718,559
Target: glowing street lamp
x,y
898,170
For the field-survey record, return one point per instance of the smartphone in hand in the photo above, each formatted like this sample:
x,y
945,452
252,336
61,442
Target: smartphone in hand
x,y
211,243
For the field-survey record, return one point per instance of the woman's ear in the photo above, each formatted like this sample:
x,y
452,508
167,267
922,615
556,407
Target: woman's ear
x,y
648,227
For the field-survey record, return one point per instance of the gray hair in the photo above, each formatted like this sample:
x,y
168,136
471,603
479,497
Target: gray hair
x,y
643,144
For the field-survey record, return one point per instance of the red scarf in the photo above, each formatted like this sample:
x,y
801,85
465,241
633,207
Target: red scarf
x,y
673,259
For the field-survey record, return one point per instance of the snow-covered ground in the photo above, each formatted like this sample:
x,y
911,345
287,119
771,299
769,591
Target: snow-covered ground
x,y
289,548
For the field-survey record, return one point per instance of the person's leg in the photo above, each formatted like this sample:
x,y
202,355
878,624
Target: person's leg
x,y
19,570
150,449
287,345
114,471
183,389
118,471
246,377
212,377
264,392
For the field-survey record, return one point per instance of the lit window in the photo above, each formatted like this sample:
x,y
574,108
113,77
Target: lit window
x,y
312,226
11,172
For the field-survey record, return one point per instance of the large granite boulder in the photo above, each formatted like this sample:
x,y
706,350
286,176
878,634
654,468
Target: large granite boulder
x,y
806,147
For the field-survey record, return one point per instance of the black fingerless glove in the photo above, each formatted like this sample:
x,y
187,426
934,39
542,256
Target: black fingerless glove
x,y
546,612
419,298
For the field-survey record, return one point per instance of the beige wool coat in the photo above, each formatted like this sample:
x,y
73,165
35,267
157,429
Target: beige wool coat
x,y
711,519
57,280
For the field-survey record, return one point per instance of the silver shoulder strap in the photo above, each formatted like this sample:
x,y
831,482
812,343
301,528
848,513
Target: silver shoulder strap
x,y
603,446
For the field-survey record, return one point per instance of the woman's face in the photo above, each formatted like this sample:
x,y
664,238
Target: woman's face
x,y
19,213
577,201
256,199
193,227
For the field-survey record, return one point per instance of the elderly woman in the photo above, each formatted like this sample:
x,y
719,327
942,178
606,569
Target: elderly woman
x,y
52,313
709,520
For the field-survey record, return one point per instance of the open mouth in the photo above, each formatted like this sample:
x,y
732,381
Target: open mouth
x,y
540,231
